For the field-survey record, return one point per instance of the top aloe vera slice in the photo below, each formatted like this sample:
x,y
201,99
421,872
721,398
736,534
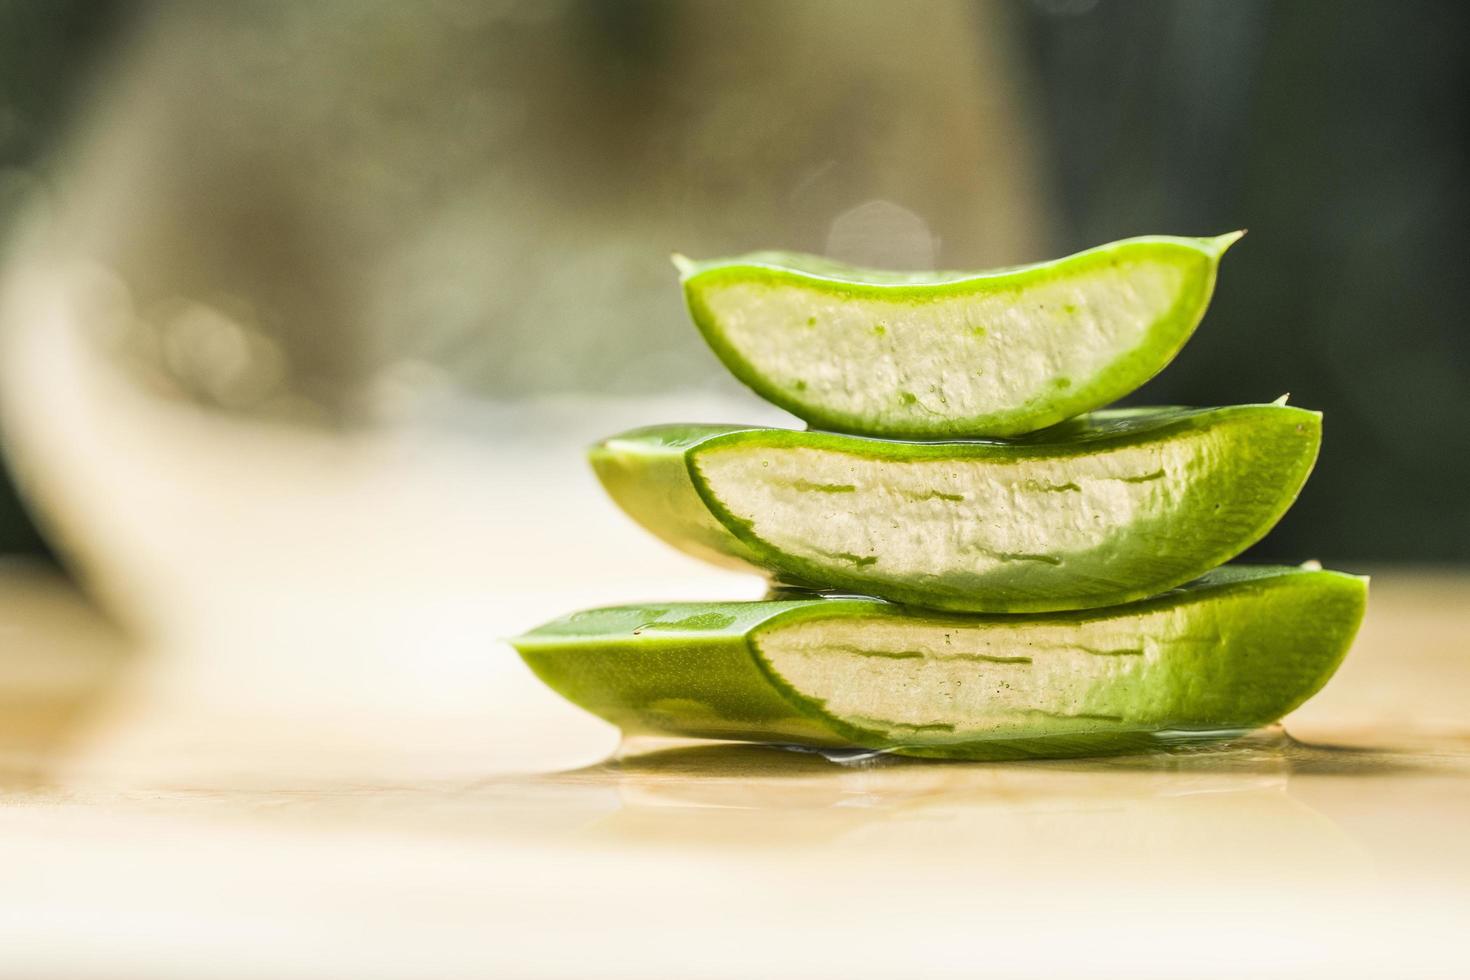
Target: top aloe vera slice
x,y
953,354
1237,649
1104,509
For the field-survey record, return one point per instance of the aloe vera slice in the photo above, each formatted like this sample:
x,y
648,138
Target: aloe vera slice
x,y
1237,649
952,354
1105,509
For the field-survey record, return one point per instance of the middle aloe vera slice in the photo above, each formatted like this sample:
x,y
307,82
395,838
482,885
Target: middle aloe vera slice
x,y
1105,509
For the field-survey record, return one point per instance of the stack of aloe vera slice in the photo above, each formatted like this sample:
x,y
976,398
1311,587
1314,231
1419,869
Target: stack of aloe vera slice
x,y
970,558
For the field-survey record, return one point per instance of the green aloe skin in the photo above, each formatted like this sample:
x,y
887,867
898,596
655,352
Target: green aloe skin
x,y
1237,649
938,355
1105,509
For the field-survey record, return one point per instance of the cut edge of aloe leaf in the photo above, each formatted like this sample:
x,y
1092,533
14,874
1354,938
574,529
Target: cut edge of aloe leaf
x,y
917,523
652,483
953,354
1237,649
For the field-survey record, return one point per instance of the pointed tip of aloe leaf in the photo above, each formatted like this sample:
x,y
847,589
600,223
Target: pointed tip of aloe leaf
x,y
1222,242
683,263
1283,399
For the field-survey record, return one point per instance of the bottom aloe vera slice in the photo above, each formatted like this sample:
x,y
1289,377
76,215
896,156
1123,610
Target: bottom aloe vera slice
x,y
1237,649
1104,509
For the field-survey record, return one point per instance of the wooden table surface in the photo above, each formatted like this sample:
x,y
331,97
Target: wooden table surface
x,y
159,822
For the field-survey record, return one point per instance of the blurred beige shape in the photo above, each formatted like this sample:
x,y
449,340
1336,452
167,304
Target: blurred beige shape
x,y
883,235
301,355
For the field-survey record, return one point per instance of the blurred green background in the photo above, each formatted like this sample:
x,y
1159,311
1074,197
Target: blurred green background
x,y
1335,132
